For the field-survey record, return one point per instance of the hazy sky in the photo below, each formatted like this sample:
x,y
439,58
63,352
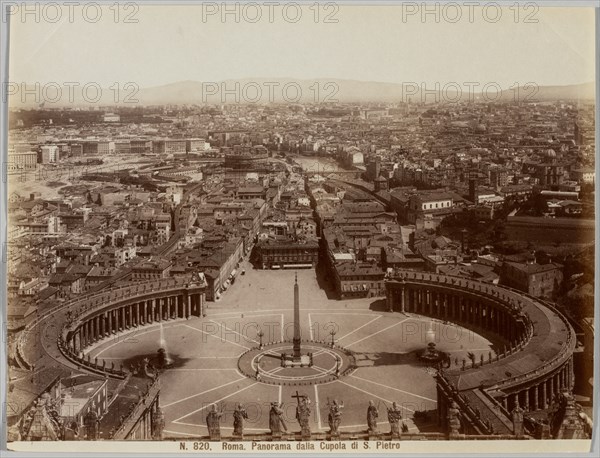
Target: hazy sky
x,y
376,43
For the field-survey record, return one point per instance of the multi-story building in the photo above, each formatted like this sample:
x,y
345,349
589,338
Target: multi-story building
x,y
307,228
169,146
549,174
282,253
539,280
76,149
251,192
98,147
498,178
140,146
193,145
163,229
22,161
123,147
50,154
80,395
429,204
352,279
373,169
151,269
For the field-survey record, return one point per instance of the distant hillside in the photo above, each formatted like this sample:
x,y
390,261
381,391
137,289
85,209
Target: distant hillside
x,y
289,90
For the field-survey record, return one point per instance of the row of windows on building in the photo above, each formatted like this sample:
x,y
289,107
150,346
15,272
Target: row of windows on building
x,y
437,205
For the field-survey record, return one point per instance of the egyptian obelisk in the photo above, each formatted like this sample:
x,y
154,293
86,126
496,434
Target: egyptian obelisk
x,y
296,340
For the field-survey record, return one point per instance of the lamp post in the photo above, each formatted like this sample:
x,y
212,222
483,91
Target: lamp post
x,y
332,333
260,337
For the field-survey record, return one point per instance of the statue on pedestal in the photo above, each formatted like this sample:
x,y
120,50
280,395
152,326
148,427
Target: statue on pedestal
x,y
517,419
91,424
71,431
158,424
453,420
239,415
213,423
372,414
335,417
394,417
303,412
276,423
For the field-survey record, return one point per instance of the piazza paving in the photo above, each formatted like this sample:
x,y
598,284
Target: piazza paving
x,y
377,352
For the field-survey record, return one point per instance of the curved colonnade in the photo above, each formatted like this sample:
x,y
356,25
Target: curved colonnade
x,y
534,366
74,326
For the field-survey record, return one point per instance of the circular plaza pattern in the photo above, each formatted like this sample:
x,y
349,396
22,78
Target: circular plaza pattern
x,y
322,363
216,357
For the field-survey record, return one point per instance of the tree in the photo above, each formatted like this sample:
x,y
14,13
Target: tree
x,y
88,197
535,206
99,199
172,220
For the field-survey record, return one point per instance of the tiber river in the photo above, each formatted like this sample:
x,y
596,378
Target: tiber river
x,y
317,164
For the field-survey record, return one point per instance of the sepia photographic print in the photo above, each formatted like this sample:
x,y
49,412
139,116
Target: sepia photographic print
x,y
300,227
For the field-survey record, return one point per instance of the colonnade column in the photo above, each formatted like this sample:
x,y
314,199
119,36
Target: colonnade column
x,y
402,299
83,336
544,397
430,301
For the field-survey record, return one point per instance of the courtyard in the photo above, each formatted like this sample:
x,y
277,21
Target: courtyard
x,y
206,351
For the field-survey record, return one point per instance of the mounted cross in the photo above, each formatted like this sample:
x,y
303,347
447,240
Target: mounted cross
x,y
297,396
